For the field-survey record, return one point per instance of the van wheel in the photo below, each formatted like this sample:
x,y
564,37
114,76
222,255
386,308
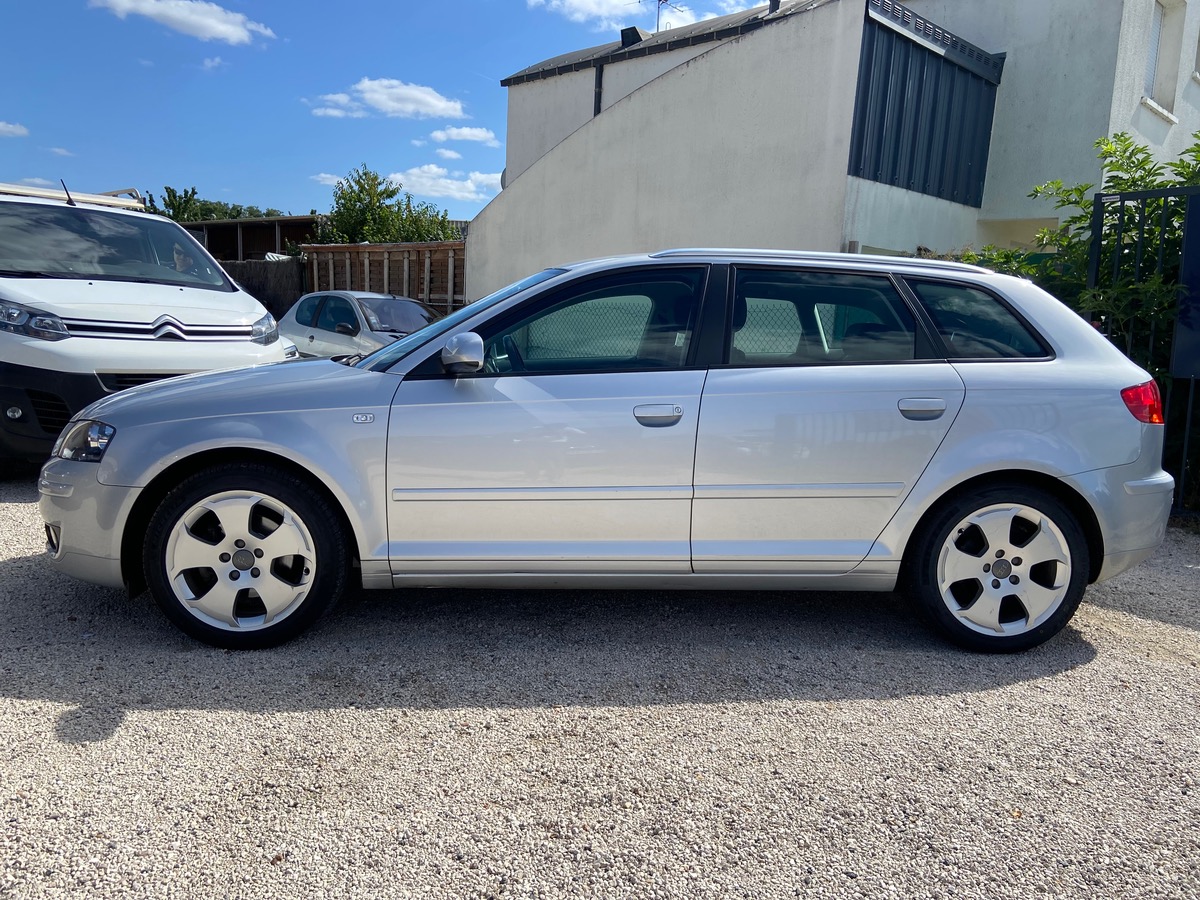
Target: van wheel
x,y
1000,570
245,556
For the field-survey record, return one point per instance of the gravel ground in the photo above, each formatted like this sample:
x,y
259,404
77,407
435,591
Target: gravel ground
x,y
553,744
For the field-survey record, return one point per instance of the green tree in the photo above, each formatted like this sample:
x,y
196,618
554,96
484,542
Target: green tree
x,y
370,208
1137,295
185,206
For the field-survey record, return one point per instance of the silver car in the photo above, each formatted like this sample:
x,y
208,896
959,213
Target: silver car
x,y
686,419
336,323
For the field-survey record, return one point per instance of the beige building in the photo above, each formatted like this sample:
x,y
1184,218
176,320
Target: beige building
x,y
830,125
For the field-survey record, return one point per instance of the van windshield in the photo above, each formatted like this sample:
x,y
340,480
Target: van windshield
x,y
44,241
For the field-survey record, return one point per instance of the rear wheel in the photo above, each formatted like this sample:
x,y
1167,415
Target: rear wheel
x,y
245,556
1001,569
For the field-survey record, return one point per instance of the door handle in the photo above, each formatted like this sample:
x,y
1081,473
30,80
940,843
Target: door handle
x,y
658,415
922,409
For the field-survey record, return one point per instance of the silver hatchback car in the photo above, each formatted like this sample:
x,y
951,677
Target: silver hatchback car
x,y
686,419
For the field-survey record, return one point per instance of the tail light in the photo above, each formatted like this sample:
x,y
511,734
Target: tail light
x,y
1145,402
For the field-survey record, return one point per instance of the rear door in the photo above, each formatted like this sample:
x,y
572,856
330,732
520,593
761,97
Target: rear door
x,y
828,410
572,452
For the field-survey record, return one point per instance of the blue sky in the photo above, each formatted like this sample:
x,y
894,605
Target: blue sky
x,y
267,102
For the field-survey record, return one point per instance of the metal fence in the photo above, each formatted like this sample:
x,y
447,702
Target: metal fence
x,y
1144,275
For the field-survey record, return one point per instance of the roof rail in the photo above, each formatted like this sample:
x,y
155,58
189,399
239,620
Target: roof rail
x,y
819,256
112,198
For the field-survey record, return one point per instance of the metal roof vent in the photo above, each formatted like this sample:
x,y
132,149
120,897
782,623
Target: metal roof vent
x,y
774,7
633,35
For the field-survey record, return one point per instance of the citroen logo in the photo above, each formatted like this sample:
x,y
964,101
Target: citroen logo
x,y
166,328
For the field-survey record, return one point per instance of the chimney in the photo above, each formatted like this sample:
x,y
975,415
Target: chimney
x,y
632,35
774,8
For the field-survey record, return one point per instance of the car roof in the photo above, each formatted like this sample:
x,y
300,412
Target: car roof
x,y
747,255
364,295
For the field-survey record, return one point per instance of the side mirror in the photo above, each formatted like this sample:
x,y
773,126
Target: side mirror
x,y
463,354
346,329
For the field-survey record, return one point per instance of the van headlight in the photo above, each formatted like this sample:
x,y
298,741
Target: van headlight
x,y
265,330
84,441
18,319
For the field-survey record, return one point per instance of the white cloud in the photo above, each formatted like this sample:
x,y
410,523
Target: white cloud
x,y
612,15
213,62
325,178
198,18
408,101
340,106
483,135
61,151
417,142
395,99
434,181
448,154
37,182
11,129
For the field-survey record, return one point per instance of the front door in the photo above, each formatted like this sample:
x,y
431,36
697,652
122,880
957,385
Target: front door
x,y
571,452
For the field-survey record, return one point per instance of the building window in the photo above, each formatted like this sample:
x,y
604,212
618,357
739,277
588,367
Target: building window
x,y
1163,52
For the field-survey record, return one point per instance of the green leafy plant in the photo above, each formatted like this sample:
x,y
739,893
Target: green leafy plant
x,y
369,208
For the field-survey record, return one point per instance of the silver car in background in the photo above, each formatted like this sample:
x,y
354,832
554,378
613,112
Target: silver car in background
x,y
337,323
686,419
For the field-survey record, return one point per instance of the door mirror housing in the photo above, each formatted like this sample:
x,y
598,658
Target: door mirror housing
x,y
346,329
463,354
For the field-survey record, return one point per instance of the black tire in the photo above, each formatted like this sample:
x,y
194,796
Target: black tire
x,y
246,593
978,590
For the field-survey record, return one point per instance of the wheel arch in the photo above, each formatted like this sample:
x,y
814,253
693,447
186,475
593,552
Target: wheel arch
x,y
134,536
1064,493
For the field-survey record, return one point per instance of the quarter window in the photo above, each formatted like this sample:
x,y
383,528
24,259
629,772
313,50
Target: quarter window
x,y
794,318
975,325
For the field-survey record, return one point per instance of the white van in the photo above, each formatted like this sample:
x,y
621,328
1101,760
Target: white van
x,y
97,295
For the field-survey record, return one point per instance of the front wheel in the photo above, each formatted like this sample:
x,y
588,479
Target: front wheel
x,y
245,556
1001,569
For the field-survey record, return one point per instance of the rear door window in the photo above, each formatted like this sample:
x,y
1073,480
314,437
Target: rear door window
x,y
306,312
785,317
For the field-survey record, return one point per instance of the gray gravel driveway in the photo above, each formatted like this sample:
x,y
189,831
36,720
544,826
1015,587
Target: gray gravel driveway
x,y
563,744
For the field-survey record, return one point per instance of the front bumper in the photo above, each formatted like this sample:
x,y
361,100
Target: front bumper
x,y
85,521
46,400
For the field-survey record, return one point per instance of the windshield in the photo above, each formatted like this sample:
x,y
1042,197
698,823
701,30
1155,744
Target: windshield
x,y
381,360
396,314
40,241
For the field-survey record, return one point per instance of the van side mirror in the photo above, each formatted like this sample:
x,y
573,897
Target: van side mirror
x,y
463,354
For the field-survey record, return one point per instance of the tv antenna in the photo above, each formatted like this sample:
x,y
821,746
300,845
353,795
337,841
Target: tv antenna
x,y
658,19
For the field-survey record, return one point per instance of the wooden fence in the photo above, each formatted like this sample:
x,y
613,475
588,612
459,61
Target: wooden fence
x,y
432,273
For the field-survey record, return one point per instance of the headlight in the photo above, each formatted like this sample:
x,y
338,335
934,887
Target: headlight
x,y
84,441
18,319
265,330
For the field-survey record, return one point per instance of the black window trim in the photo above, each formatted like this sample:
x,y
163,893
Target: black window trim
x,y
915,298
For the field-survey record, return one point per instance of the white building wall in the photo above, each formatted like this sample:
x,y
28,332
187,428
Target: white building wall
x,y
736,147
883,218
1165,122
542,113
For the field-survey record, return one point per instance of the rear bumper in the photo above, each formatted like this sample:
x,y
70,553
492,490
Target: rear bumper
x,y
1132,508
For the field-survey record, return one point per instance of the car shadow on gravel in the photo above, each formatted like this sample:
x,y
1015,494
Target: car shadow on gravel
x,y
103,655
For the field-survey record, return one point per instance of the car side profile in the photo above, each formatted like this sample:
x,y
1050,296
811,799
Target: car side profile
x,y
685,419
333,323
